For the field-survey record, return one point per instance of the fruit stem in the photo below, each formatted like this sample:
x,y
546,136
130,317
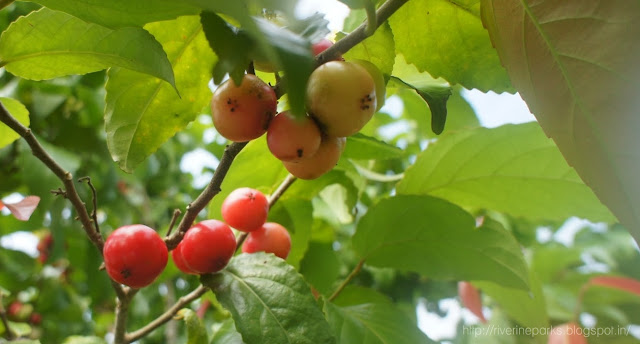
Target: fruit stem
x,y
361,33
372,20
206,195
286,183
166,316
347,280
174,218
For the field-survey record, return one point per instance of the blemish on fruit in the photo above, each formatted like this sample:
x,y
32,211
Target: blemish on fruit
x,y
126,273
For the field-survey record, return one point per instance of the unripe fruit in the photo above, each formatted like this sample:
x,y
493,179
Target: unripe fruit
x,y
291,139
271,238
342,97
320,163
568,333
208,246
245,209
378,79
135,255
242,113
178,260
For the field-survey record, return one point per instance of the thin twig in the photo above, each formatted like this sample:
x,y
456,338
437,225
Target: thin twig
x,y
166,316
347,280
122,311
207,194
67,179
5,321
361,33
174,218
94,213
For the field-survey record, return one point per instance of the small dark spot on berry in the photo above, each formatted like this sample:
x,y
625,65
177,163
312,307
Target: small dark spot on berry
x,y
126,273
300,152
229,101
233,109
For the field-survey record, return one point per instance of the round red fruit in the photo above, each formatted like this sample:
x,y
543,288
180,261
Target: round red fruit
x,y
135,255
242,113
178,260
245,209
291,139
208,246
323,45
271,238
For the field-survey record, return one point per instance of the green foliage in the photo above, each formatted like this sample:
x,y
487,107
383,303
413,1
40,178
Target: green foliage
x,y
19,112
422,198
261,286
64,45
592,120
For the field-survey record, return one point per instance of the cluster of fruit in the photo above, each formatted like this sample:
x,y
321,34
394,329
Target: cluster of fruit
x,y
341,98
135,255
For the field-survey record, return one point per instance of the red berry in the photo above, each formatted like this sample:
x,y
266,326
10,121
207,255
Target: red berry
x,y
14,308
208,246
135,255
271,238
291,139
245,209
35,318
323,45
320,163
178,260
242,113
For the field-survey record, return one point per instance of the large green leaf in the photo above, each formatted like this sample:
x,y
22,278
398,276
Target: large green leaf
x,y
269,301
372,323
226,334
379,49
365,147
47,44
574,63
142,112
446,39
440,240
513,169
527,308
19,112
121,13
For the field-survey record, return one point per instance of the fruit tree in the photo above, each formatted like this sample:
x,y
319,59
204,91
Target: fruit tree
x,y
236,172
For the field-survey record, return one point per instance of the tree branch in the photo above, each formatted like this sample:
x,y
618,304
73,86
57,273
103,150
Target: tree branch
x,y
166,316
67,179
207,194
360,33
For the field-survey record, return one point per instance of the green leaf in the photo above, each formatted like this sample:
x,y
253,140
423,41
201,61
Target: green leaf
x,y
269,301
196,332
226,334
121,13
363,147
446,39
378,49
513,169
584,98
527,308
436,97
84,340
20,113
372,323
142,112
320,266
230,45
438,239
47,44
24,341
